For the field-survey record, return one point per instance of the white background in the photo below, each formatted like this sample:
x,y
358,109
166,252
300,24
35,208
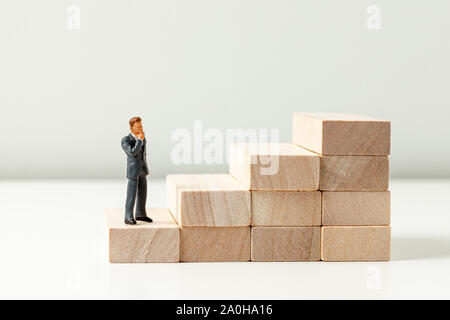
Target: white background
x,y
54,245
66,96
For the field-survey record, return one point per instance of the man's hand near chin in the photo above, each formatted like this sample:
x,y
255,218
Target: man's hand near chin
x,y
141,135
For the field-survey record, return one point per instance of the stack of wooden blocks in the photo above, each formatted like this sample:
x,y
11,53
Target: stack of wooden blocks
x,y
354,181
323,197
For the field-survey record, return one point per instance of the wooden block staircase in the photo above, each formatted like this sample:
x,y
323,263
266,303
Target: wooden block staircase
x,y
323,197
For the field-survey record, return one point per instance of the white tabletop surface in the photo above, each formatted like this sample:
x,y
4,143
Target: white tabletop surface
x,y
53,244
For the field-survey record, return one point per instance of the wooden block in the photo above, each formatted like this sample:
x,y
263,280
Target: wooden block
x,y
158,241
274,166
215,244
354,173
208,200
367,208
285,244
286,208
341,134
356,243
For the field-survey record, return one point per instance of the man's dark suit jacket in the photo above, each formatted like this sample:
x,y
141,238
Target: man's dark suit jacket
x,y
136,156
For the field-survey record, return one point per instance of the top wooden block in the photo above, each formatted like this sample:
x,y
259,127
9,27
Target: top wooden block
x,y
341,134
274,166
208,200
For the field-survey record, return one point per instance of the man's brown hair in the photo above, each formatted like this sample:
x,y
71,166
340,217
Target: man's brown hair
x,y
134,120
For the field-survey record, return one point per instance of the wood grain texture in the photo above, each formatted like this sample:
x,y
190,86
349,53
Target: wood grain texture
x,y
215,244
285,244
286,208
354,173
208,200
356,243
273,166
341,134
366,208
158,241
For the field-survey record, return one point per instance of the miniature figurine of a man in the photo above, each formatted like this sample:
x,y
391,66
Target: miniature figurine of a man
x,y
137,171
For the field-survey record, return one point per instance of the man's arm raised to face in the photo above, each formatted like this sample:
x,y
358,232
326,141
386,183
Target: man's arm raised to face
x,y
130,150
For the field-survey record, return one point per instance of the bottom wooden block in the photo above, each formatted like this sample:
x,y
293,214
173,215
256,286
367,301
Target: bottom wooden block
x,y
285,244
158,241
351,243
215,244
